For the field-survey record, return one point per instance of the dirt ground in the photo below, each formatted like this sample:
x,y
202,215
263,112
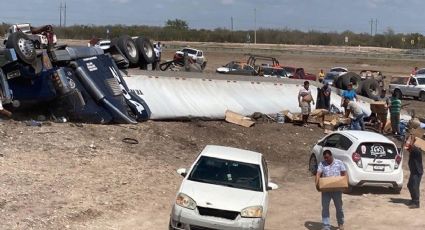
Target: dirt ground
x,y
68,176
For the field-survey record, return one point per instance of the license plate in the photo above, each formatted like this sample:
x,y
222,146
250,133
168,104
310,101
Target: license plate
x,y
378,168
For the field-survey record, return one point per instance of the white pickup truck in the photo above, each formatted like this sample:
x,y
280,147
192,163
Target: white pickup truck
x,y
410,87
39,39
196,55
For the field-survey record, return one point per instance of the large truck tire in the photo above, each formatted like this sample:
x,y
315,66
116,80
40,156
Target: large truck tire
x,y
371,89
23,47
128,48
145,49
352,78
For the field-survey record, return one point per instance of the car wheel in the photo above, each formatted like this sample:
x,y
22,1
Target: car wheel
x,y
23,46
145,49
422,96
349,189
128,48
312,165
398,94
396,190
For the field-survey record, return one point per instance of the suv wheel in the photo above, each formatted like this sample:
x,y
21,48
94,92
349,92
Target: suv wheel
x,y
422,96
398,94
312,165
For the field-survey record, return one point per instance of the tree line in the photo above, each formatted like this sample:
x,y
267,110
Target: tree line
x,y
174,30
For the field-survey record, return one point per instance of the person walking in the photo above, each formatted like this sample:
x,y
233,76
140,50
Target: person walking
x,y
326,92
395,108
416,172
354,108
330,167
382,116
304,100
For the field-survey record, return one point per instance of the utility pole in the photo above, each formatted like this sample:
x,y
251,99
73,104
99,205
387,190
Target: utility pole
x,y
255,25
231,23
376,26
64,19
60,15
371,27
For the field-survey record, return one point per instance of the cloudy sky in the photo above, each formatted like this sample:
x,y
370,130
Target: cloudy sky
x,y
324,15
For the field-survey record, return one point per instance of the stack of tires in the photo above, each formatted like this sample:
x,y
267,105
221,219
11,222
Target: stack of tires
x,y
369,88
139,51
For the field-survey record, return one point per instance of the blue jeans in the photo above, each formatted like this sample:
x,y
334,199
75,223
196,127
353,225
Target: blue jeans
x,y
358,123
326,200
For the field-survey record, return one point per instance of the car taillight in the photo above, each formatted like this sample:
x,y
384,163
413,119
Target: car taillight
x,y
397,161
357,159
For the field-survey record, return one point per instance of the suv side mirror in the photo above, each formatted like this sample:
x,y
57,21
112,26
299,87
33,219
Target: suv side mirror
x,y
182,172
272,186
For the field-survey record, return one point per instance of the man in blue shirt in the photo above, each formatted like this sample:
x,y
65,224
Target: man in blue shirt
x,y
328,168
350,93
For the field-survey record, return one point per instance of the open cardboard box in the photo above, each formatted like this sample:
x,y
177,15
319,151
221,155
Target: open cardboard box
x,y
333,184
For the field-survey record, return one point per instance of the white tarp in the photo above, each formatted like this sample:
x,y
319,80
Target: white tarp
x,y
171,97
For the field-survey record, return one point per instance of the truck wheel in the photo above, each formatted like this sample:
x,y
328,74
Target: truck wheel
x,y
128,48
371,89
352,78
422,96
338,83
145,49
37,44
23,46
398,94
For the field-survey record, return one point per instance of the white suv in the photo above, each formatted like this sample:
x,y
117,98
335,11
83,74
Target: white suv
x,y
226,188
370,158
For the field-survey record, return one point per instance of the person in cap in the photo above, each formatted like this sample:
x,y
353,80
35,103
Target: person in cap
x,y
350,94
416,172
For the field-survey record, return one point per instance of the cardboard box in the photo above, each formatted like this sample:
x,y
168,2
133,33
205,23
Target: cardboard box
x,y
238,119
378,107
333,184
417,132
344,120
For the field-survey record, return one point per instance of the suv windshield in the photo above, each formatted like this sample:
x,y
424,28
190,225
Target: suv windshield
x,y
331,76
227,173
377,150
189,51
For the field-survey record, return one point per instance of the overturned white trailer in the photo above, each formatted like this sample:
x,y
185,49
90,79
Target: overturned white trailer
x,y
183,95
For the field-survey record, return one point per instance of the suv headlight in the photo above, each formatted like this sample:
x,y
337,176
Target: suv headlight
x,y
185,201
252,212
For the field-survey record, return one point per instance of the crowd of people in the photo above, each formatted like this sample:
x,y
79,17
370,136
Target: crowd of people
x,y
351,104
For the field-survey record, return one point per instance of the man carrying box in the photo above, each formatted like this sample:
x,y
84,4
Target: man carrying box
x,y
331,167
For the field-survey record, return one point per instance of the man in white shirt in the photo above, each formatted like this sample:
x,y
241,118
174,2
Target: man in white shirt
x,y
304,100
357,113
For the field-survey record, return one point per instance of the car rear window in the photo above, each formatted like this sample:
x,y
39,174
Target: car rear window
x,y
377,150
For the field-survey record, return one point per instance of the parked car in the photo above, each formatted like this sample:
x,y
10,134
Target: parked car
x,y
270,71
330,78
225,188
412,87
299,73
371,159
196,55
237,68
103,44
339,70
